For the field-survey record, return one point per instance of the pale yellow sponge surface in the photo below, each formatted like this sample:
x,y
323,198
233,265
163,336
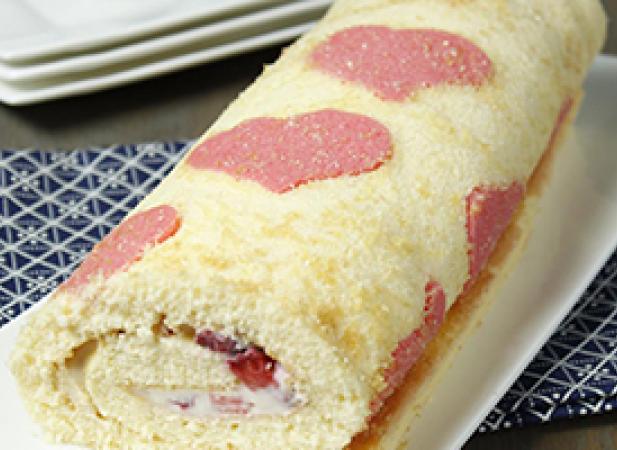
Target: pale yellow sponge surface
x,y
327,277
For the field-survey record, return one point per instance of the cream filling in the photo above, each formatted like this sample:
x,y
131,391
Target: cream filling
x,y
272,400
281,398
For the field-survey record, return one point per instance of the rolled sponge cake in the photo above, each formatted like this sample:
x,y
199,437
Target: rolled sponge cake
x,y
274,290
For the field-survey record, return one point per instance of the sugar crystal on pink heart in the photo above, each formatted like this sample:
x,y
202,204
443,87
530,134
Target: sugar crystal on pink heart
x,y
282,154
393,63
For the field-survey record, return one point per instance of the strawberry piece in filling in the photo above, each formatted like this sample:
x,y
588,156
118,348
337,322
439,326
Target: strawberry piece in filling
x,y
218,343
184,404
411,348
254,368
281,154
249,363
126,244
263,388
394,63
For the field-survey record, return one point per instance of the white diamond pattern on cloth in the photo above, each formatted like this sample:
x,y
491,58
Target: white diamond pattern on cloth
x,y
575,373
54,206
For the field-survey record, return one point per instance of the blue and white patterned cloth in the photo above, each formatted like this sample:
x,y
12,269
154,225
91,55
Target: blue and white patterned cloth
x,y
54,206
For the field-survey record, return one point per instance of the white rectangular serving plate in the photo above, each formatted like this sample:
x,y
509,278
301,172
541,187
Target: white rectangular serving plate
x,y
575,232
34,29
152,66
201,36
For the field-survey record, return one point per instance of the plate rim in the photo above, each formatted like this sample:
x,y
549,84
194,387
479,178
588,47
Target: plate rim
x,y
16,97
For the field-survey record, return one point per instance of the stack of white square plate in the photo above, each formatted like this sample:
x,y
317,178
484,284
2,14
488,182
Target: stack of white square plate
x,y
58,48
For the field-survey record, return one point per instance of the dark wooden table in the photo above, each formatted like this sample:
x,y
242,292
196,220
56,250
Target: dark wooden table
x,y
184,104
